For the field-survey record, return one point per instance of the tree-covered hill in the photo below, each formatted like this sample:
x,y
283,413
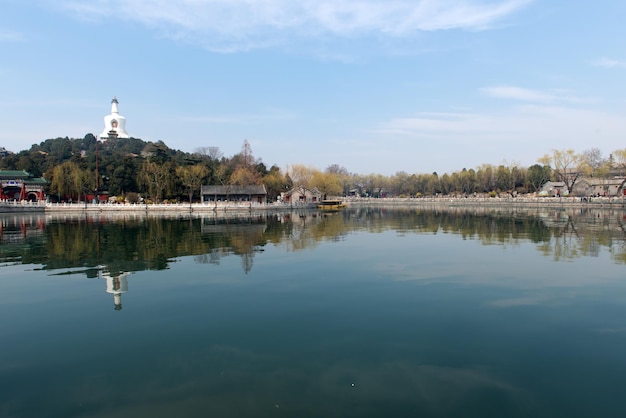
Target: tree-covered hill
x,y
75,167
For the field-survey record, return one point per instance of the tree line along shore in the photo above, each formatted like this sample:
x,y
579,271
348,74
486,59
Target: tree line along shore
x,y
130,169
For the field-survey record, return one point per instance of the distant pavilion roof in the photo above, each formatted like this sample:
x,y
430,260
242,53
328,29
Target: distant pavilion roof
x,y
234,190
14,174
22,175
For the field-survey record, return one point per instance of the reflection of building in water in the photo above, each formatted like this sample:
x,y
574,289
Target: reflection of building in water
x,y
17,229
117,285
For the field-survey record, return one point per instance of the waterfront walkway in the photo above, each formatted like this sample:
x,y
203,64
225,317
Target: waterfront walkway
x,y
528,202
440,202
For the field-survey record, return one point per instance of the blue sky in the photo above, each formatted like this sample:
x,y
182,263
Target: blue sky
x,y
375,86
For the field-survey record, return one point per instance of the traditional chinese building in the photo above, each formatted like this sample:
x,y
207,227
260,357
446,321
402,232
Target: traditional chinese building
x,y
301,194
21,185
232,193
600,187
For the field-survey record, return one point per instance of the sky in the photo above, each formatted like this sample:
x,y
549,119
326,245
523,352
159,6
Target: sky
x,y
375,86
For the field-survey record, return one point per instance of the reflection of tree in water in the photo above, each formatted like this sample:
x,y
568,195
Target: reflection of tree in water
x,y
243,237
308,228
213,257
151,243
583,233
564,243
562,234
620,253
300,236
240,247
246,262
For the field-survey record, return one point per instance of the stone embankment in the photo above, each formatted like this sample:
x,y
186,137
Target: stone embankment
x,y
24,206
231,207
247,207
509,202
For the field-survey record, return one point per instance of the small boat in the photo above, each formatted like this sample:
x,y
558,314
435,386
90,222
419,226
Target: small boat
x,y
331,205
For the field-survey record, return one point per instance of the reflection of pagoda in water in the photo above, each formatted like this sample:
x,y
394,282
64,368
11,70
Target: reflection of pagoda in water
x,y
117,285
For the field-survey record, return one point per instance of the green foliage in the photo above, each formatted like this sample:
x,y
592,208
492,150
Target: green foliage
x,y
122,165
536,176
69,181
132,197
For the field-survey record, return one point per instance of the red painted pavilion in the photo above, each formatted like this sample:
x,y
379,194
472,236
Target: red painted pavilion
x,y
21,185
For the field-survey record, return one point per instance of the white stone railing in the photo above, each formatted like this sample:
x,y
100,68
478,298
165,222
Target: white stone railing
x,y
21,203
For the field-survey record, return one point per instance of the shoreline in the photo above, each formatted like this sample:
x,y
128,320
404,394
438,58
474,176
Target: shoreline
x,y
247,207
509,202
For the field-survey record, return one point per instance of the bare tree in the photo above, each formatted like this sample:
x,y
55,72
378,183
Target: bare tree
x,y
191,177
328,183
565,166
155,178
246,154
215,153
301,175
202,151
212,153
619,157
336,169
591,162
244,176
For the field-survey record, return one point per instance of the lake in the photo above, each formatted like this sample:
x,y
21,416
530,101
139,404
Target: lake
x,y
369,312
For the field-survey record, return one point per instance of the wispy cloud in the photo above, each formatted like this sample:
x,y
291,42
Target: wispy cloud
x,y
51,102
242,119
10,36
609,63
536,125
517,93
536,96
230,25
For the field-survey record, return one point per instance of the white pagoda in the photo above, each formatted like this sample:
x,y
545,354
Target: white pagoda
x,y
114,124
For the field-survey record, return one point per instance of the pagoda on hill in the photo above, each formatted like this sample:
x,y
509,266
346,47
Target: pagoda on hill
x,y
114,124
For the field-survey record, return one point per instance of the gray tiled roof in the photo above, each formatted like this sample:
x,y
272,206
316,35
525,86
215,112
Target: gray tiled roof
x,y
603,182
234,190
14,174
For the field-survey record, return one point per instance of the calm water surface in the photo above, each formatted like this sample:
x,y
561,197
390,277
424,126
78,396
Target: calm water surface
x,y
362,313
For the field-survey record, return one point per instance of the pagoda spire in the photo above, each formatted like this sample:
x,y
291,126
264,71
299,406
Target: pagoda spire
x,y
114,107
